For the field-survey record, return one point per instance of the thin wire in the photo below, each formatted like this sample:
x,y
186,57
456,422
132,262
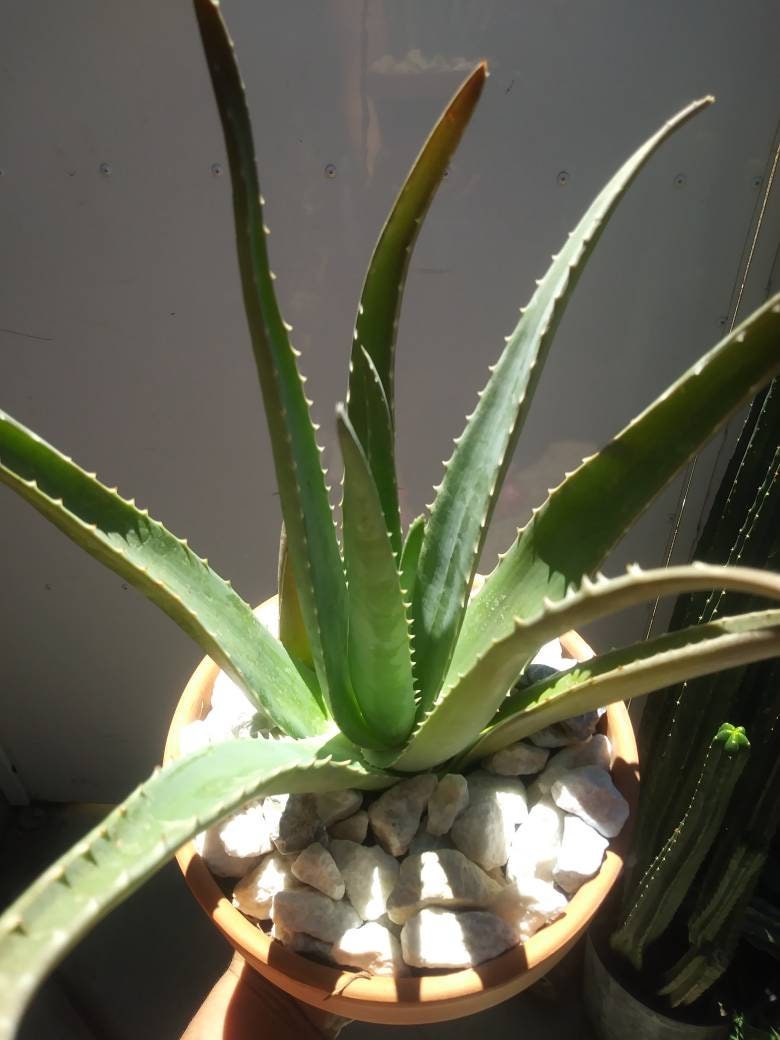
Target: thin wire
x,y
683,499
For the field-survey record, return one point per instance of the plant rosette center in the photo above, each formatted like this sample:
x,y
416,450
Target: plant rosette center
x,y
437,872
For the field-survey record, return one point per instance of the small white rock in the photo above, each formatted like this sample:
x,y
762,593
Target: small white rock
x,y
372,948
594,752
536,843
444,878
552,656
520,759
354,828
303,910
395,815
588,792
208,844
194,736
484,831
554,736
246,833
370,875
527,905
448,800
423,841
338,805
581,854
437,938
316,867
292,821
300,942
254,894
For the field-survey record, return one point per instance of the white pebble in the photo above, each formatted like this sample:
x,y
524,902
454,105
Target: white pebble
x,y
588,792
316,867
445,804
395,815
520,759
437,938
581,855
254,894
372,948
369,873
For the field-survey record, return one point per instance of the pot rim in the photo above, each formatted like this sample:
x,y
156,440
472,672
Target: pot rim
x,y
355,994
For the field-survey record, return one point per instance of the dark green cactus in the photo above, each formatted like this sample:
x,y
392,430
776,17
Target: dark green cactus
x,y
709,902
385,661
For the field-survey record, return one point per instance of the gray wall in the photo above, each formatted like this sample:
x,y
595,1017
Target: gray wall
x,y
123,340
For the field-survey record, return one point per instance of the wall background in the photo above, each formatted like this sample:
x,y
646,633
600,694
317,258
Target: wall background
x,y
123,340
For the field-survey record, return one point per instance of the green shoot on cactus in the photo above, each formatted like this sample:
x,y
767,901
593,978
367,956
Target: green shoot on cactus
x,y
382,659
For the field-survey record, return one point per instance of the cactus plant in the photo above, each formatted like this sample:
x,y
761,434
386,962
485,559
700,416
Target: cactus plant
x,y
707,819
447,661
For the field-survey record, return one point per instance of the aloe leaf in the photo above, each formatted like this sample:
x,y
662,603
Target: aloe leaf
x,y
631,672
292,628
469,703
595,505
379,647
312,542
456,528
165,569
380,302
411,554
142,834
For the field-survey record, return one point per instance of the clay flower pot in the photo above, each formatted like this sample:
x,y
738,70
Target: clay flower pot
x,y
430,998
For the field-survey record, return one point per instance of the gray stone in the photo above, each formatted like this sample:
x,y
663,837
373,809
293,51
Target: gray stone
x,y
581,854
520,759
527,905
554,736
395,815
437,938
588,792
448,800
246,833
444,878
484,831
580,727
303,910
370,875
372,948
594,752
354,828
254,894
536,843
338,805
423,841
300,942
316,867
293,821
208,844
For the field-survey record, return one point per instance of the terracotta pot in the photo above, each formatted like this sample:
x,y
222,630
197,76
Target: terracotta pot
x,y
431,998
616,1014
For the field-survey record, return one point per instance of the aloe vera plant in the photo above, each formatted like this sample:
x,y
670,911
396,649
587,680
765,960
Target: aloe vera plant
x,y
385,664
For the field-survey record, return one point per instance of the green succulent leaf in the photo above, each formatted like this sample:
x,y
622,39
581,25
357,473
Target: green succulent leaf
x,y
379,647
311,535
632,672
411,554
596,504
468,705
165,569
292,628
142,834
456,528
380,302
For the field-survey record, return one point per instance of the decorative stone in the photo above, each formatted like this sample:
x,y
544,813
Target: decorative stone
x,y
552,656
518,759
536,843
554,736
254,894
194,736
301,909
437,938
232,713
484,831
370,875
316,867
527,905
372,948
395,815
581,854
337,805
597,751
208,844
354,828
443,878
425,842
293,821
588,792
301,942
246,833
580,727
448,800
